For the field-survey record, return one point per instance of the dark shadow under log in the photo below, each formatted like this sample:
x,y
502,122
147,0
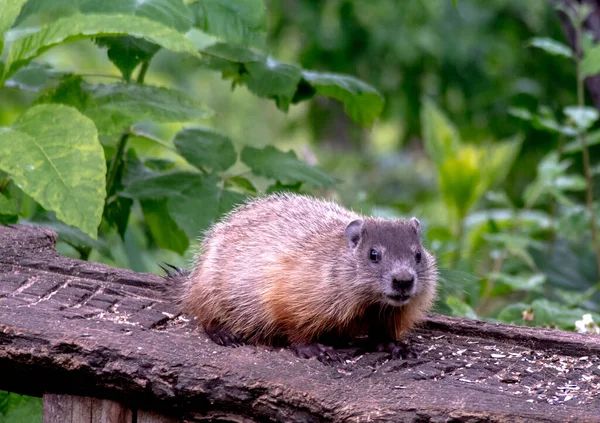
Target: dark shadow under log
x,y
79,328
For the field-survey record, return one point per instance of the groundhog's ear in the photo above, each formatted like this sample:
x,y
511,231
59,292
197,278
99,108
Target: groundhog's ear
x,y
416,225
353,232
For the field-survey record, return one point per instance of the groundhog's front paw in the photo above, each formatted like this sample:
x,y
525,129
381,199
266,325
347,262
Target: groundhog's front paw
x,y
397,349
222,336
323,353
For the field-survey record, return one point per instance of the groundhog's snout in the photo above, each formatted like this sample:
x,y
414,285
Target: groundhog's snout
x,y
401,287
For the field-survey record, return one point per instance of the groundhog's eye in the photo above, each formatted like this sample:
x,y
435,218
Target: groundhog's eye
x,y
374,255
418,256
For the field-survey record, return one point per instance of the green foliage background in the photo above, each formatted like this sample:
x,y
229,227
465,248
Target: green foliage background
x,y
128,127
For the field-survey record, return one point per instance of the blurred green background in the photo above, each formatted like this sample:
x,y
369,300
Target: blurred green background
x,y
474,140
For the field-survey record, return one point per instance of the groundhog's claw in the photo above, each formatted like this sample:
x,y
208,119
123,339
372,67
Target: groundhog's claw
x,y
323,353
397,349
223,336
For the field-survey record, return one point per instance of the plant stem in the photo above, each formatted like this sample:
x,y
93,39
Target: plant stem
x,y
114,164
118,157
589,192
143,70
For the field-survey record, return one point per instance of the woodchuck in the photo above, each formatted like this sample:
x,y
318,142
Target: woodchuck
x,y
292,269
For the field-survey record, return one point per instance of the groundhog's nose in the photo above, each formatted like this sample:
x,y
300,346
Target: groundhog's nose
x,y
403,283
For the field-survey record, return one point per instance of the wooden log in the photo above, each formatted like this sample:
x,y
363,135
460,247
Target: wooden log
x,y
79,328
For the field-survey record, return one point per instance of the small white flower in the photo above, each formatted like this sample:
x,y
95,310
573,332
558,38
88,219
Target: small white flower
x,y
587,325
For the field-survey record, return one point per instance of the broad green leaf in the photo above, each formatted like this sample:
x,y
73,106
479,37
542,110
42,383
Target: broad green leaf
x,y
19,408
590,65
163,228
148,185
439,134
9,10
582,116
551,46
125,52
115,107
53,154
8,204
193,198
232,53
362,102
236,21
286,84
273,163
172,13
229,199
79,27
460,176
205,148
528,283
32,77
272,79
498,161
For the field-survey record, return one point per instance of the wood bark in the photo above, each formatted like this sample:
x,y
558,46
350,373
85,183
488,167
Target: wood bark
x,y
76,328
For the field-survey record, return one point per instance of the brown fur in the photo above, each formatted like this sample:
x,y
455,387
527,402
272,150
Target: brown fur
x,y
281,266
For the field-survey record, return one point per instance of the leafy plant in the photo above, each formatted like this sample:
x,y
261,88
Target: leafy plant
x,y
70,157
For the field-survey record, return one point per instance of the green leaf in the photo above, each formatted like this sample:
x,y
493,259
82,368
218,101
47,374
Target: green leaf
x,y
551,46
272,79
439,134
8,204
460,176
115,107
172,13
9,10
279,187
32,77
590,64
19,408
236,21
275,164
591,138
287,84
126,53
499,159
513,313
78,27
163,228
116,213
53,154
242,183
528,283
72,235
582,116
205,148
148,185
362,102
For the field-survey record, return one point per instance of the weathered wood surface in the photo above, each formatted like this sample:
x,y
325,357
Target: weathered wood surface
x,y
77,409
72,327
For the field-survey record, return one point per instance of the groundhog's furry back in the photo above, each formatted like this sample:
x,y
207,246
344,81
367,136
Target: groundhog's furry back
x,y
299,268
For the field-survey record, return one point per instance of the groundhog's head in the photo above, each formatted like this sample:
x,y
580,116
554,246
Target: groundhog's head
x,y
390,252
